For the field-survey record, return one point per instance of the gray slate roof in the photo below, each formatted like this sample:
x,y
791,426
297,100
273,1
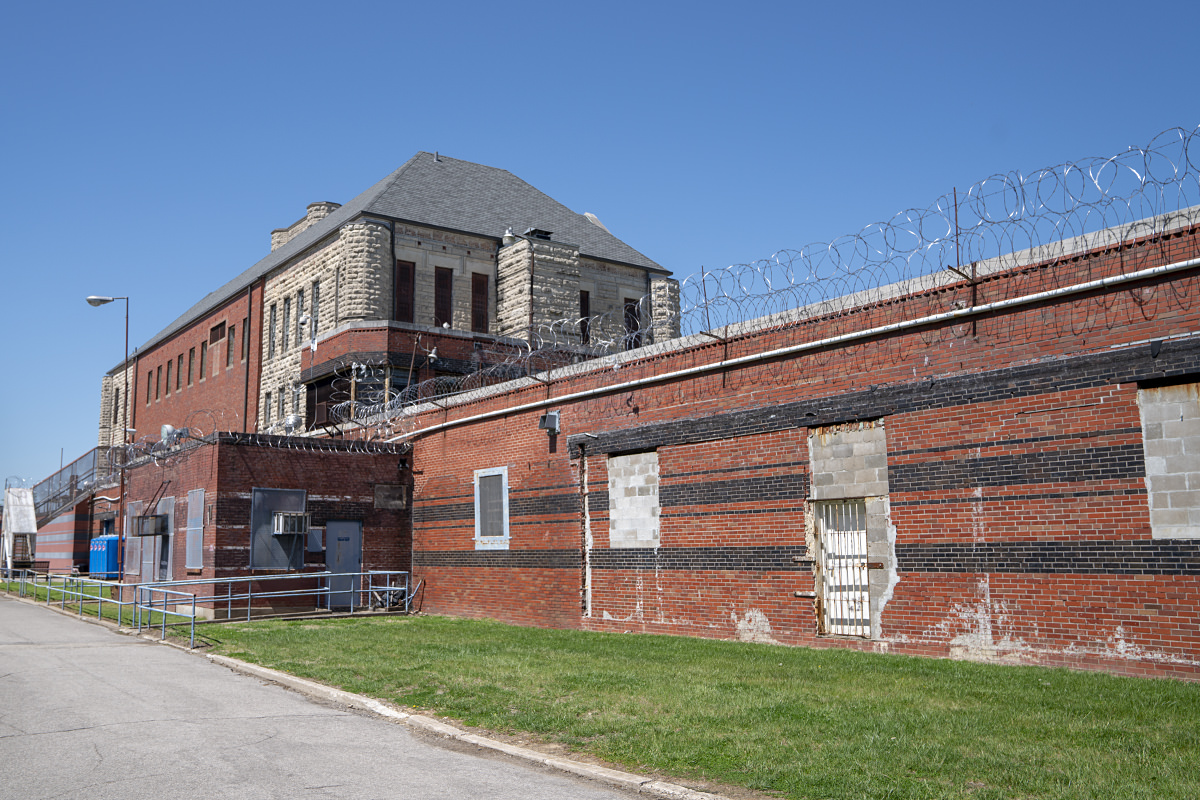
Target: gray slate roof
x,y
446,193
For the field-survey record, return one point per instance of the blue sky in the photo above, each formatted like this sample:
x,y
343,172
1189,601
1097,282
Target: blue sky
x,y
149,149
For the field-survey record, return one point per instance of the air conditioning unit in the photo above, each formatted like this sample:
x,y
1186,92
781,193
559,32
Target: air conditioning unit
x,y
321,414
150,525
289,523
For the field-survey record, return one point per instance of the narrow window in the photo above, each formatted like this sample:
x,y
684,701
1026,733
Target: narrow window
x,y
170,363
405,282
491,509
245,338
267,410
203,359
479,303
282,392
149,385
271,334
158,383
633,324
287,322
299,317
443,286
179,374
116,406
191,364
316,307
585,317
229,346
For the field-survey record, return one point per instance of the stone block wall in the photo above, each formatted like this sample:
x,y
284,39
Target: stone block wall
x,y
1170,418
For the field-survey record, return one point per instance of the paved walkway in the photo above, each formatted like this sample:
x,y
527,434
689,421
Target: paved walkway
x,y
89,713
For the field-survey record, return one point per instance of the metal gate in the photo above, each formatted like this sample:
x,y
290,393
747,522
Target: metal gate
x,y
842,566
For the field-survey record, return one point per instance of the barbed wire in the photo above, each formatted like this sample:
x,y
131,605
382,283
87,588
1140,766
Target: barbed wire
x,y
937,258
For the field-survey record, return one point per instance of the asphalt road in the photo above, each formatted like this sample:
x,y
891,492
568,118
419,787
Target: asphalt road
x,y
89,713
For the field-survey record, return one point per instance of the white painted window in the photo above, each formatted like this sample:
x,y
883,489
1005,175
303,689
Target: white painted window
x,y
491,509
633,508
1171,441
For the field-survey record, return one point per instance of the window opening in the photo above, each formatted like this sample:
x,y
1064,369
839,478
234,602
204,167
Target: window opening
x,y
585,317
633,324
170,363
299,316
443,287
179,374
217,333
203,359
191,364
229,346
491,509
316,307
271,335
405,294
287,322
479,303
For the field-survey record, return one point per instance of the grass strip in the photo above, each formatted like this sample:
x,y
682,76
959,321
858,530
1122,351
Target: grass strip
x,y
798,722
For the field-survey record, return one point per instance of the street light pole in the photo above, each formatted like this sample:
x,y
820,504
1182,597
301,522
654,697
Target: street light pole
x,y
96,301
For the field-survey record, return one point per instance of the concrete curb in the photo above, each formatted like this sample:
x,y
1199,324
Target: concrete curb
x,y
627,780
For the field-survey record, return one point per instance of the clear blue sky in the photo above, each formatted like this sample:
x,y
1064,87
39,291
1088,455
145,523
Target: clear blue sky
x,y
148,149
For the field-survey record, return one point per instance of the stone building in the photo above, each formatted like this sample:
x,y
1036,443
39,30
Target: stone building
x,y
419,277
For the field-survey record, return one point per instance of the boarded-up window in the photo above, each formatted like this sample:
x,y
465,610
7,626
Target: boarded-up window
x,y
443,289
194,558
479,303
133,544
405,282
491,509
1171,441
633,504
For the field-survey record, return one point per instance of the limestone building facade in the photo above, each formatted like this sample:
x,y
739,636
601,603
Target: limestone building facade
x,y
416,279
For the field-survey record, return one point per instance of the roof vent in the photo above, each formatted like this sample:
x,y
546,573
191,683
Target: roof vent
x,y
538,233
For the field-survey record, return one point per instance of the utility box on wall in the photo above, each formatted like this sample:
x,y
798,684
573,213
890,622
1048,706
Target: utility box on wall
x,y
103,557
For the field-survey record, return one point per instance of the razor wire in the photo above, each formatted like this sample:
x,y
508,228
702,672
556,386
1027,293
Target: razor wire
x,y
1039,221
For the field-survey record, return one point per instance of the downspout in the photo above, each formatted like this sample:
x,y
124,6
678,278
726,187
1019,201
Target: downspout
x,y
821,344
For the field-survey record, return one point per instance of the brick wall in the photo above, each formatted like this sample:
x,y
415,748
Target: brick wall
x,y
1017,520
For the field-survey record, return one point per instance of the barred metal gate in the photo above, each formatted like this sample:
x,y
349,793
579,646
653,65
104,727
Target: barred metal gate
x,y
842,567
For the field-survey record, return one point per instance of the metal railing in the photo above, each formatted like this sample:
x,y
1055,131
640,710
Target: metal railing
x,y
180,600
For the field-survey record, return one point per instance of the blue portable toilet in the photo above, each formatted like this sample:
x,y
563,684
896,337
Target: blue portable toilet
x,y
103,557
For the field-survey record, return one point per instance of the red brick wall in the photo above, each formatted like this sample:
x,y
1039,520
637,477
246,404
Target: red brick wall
x,y
215,401
1016,476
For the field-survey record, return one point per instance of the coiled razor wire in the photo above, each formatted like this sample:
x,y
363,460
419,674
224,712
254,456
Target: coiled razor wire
x,y
1002,222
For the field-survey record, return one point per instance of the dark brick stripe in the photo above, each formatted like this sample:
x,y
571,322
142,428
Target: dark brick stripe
x,y
1140,557
442,511
1017,498
498,559
764,489
781,465
1017,442
598,501
1130,365
753,559
1119,462
545,506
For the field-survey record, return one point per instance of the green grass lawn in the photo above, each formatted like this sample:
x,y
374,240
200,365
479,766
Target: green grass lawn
x,y
797,722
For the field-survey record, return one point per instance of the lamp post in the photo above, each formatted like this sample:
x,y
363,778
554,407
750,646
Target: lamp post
x,y
97,301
